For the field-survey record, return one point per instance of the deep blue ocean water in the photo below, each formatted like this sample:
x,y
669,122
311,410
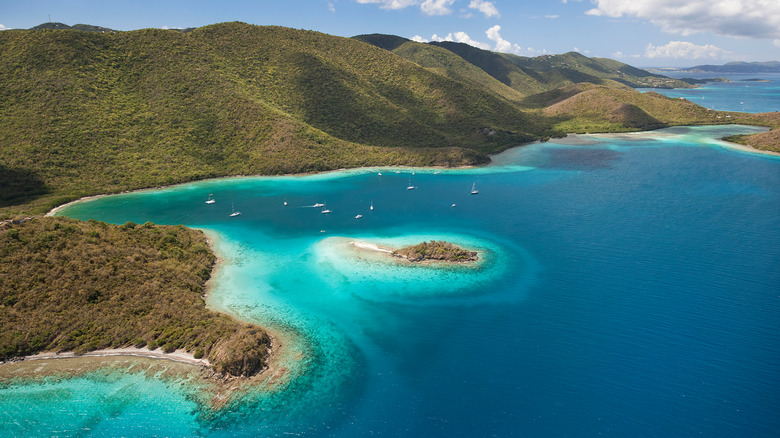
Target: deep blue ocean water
x,y
743,93
629,287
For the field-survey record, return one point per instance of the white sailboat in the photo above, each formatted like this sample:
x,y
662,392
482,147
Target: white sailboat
x,y
410,187
358,216
325,209
211,200
235,213
372,206
474,190
318,205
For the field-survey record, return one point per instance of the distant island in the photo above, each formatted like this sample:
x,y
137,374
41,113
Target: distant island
x,y
436,250
731,67
694,81
738,67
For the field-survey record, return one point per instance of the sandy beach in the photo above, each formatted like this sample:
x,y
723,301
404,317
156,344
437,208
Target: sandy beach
x,y
216,392
751,149
371,246
176,356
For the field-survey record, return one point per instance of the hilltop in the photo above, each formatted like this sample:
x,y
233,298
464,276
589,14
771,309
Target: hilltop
x,y
523,74
61,26
83,113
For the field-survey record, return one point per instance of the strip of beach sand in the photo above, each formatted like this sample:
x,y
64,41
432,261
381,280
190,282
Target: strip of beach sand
x,y
176,356
371,246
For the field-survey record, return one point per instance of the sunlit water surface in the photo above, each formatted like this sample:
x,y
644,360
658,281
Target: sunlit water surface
x,y
628,287
744,92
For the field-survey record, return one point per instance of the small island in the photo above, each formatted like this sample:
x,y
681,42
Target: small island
x,y
436,250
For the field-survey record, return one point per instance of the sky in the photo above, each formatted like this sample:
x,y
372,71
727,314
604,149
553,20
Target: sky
x,y
643,33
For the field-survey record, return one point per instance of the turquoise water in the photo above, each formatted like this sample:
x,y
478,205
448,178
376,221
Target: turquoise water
x,y
741,94
104,403
628,287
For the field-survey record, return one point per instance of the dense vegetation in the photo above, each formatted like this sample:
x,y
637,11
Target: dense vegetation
x,y
574,93
80,286
83,113
84,27
438,250
88,112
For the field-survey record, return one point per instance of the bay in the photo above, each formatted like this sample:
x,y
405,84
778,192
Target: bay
x,y
628,288
744,92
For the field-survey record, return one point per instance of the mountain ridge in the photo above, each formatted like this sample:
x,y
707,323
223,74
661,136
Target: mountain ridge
x,y
83,113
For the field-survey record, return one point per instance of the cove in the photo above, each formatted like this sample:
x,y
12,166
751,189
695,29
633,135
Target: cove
x,y
629,287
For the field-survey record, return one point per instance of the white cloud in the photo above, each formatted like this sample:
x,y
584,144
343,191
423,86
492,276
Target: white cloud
x,y
486,7
437,7
739,18
462,37
552,17
3,27
618,54
428,7
391,4
332,6
502,45
776,42
684,49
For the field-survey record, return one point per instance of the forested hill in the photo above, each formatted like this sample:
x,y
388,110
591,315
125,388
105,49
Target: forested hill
x,y
82,286
97,112
528,75
86,112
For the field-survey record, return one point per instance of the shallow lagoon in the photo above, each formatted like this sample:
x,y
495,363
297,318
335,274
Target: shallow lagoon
x,y
629,288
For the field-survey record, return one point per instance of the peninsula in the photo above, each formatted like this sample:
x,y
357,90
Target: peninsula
x,y
76,287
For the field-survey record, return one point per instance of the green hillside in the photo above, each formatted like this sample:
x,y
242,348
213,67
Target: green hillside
x,y
523,74
572,67
86,112
83,113
523,80
588,107
443,62
81,286
84,27
547,72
